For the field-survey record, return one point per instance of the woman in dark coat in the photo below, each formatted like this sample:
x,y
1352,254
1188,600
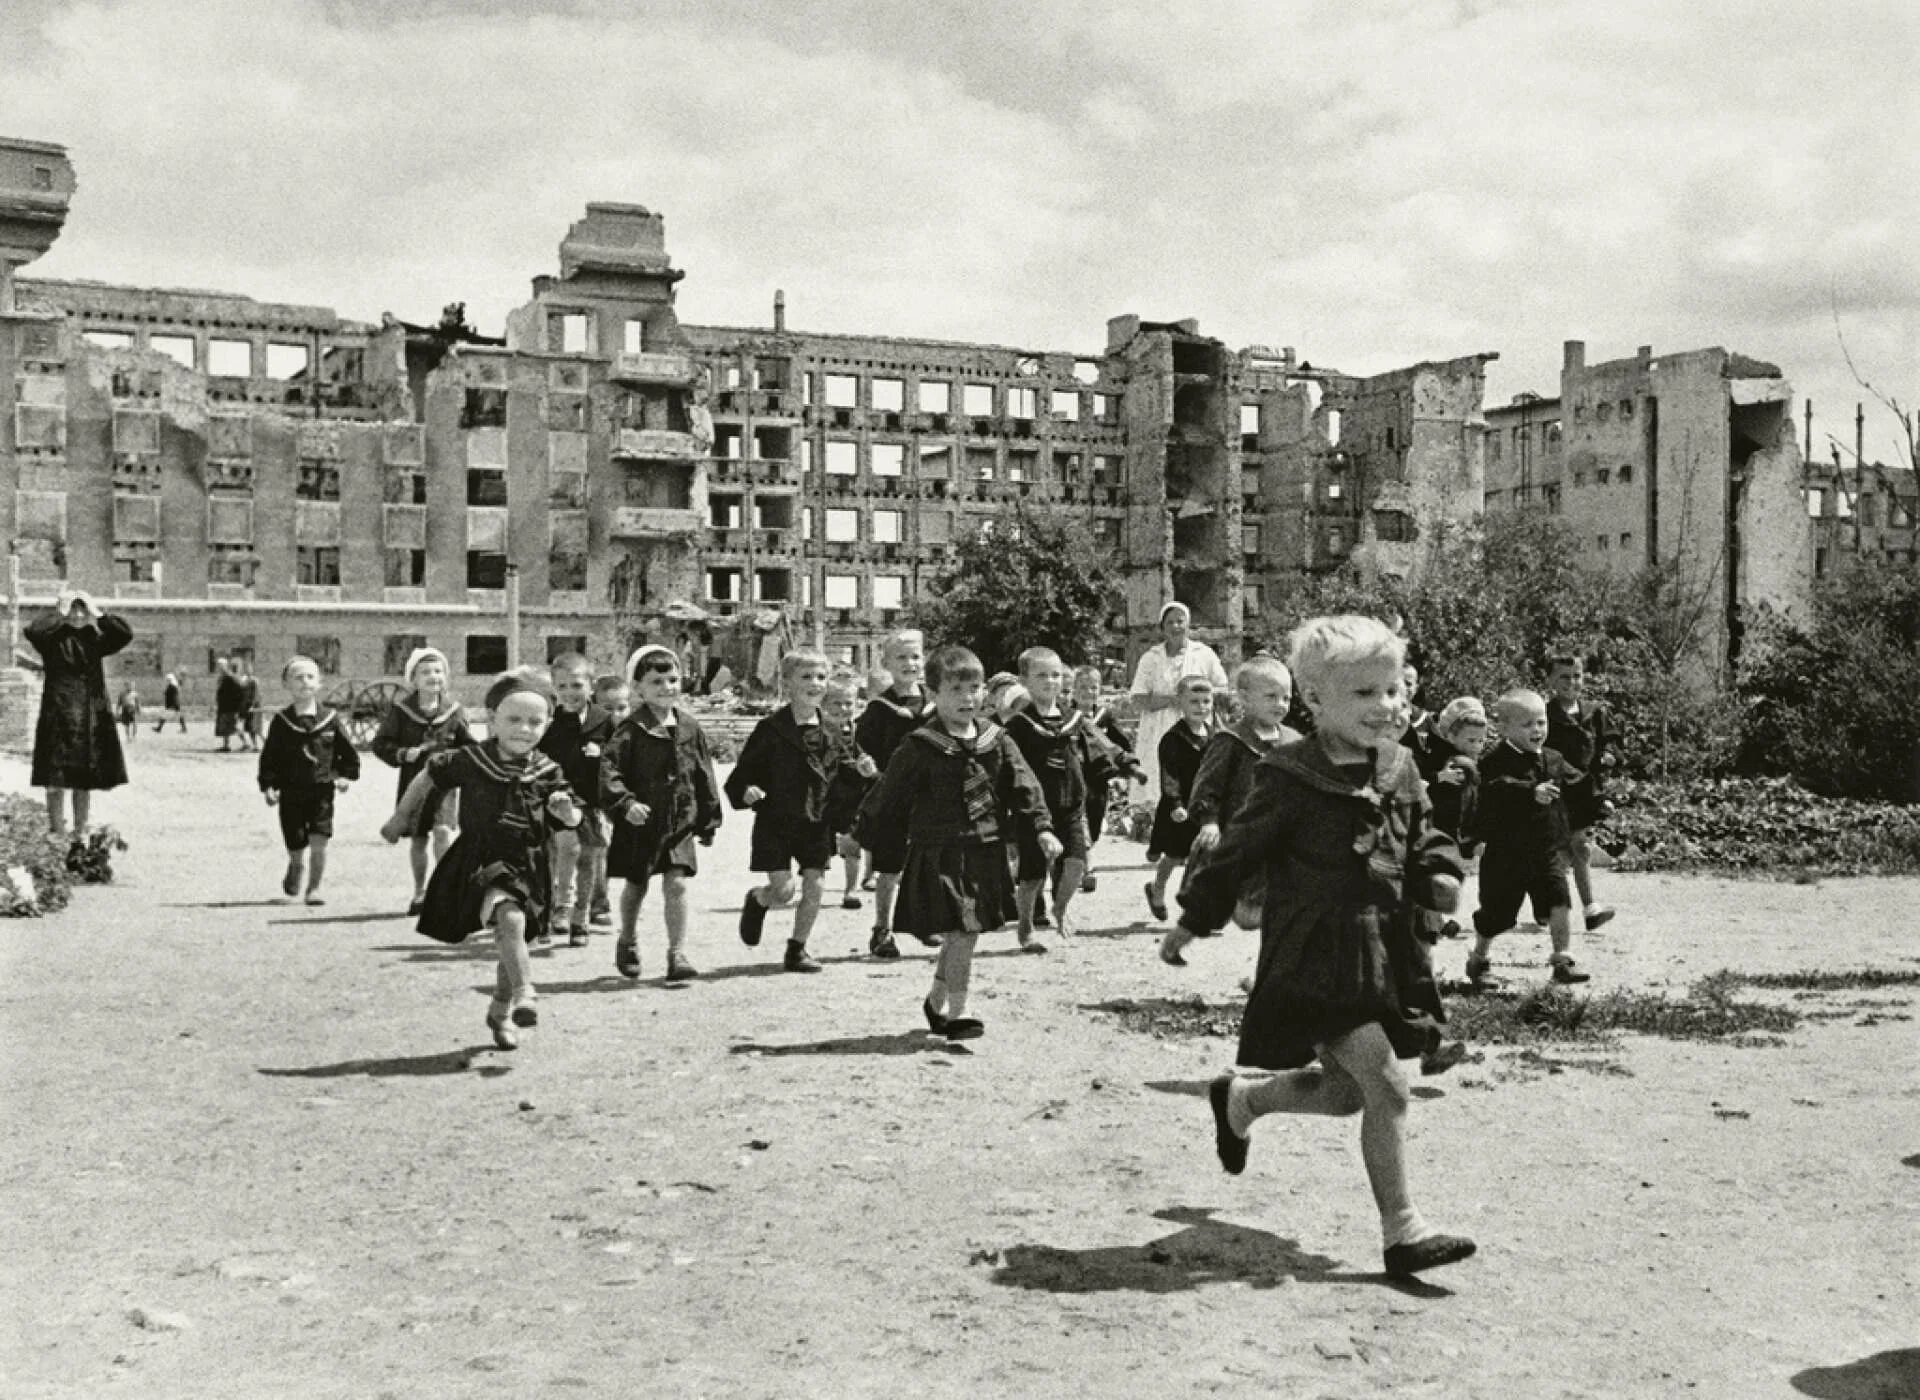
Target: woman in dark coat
x,y
75,745
229,697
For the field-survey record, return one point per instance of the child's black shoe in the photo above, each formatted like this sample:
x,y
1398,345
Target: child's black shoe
x,y
851,901
1231,1147
965,1028
1406,1260
753,918
935,1021
1156,903
1567,975
881,944
503,1035
626,958
679,969
577,936
800,960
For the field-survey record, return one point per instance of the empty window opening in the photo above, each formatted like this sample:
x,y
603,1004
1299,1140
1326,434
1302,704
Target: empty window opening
x,y
318,481
286,361
886,527
727,438
1103,408
109,340
633,336
1022,404
1333,427
723,585
482,408
406,568
773,512
566,567
230,358
486,654
843,391
1066,405
981,463
317,565
236,649
935,396
1250,539
887,458
889,591
723,512
323,651
178,348
660,486
485,487
1250,420
889,395
843,526
1106,470
1086,371
486,568
770,375
843,590
773,585
977,401
772,444
1625,474
936,461
843,457
234,564
567,332
1021,465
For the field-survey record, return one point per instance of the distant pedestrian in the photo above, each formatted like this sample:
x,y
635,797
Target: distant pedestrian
x,y
127,710
229,695
75,746
250,707
170,705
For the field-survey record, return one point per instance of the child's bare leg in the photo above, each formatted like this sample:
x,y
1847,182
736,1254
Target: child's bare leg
x,y
673,907
1325,1090
1582,871
1560,929
82,808
851,865
808,909
1162,872
57,810
1368,1057
510,940
1025,895
564,856
956,958
632,894
1066,885
417,857
777,893
499,1009
316,867
296,872
885,886
442,837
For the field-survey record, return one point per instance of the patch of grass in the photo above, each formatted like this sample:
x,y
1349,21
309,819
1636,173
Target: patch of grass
x,y
1860,978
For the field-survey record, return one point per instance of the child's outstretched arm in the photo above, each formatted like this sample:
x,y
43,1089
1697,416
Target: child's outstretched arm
x,y
1249,839
407,812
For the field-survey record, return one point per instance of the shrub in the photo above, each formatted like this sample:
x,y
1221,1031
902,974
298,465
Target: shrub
x,y
51,865
1756,826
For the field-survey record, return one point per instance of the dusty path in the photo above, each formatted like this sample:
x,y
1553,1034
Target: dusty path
x,y
274,1135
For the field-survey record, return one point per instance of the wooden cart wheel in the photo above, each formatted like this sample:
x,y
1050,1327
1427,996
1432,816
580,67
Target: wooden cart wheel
x,y
363,710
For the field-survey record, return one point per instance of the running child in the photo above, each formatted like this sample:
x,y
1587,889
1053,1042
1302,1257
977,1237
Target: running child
x,y
1340,821
1581,731
612,694
1171,840
1100,771
1055,740
1450,764
308,756
955,793
1264,688
423,722
1522,822
127,709
784,772
656,777
848,791
496,874
170,704
574,740
889,717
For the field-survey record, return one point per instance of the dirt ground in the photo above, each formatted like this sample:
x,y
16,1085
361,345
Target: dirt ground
x,y
254,1149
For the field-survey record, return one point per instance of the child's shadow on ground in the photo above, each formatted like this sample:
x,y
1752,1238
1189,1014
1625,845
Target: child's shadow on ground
x,y
905,1043
1884,1374
398,1067
1205,1251
428,950
1197,1088
341,919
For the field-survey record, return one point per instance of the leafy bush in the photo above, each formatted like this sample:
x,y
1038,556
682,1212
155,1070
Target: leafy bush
x,y
1835,701
51,864
1756,826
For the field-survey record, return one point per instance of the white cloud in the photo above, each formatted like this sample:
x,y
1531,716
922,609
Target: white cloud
x,y
1375,184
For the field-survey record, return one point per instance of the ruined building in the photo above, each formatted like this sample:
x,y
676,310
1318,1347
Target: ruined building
x,y
1687,459
257,478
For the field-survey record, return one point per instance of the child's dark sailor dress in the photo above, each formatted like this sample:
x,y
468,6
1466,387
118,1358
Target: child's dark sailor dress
x,y
501,852
407,726
1180,751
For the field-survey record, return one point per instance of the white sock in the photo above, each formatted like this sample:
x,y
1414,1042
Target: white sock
x,y
1240,1114
1404,1227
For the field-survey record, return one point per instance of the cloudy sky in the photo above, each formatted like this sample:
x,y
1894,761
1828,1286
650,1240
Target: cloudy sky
x,y
1373,181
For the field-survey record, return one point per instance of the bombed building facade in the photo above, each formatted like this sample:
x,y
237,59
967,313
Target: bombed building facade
x,y
260,479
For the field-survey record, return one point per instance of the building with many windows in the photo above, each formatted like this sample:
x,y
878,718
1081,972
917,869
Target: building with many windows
x,y
255,478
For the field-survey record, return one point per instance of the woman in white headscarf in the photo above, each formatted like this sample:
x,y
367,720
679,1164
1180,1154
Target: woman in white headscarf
x,y
1158,676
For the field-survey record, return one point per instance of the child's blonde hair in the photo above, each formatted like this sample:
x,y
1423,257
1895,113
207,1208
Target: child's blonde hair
x,y
1517,702
843,685
1192,685
569,664
286,671
1465,710
897,641
1265,667
1321,643
791,663
1036,656
1082,673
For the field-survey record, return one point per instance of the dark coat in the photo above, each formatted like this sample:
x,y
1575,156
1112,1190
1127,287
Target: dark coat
x,y
889,718
1586,741
75,744
565,743
1227,766
1509,820
306,751
793,768
670,772
406,726
921,800
1455,805
1348,850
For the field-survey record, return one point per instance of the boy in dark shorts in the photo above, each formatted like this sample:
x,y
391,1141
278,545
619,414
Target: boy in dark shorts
x,y
784,773
1522,822
307,758
1581,731
579,731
